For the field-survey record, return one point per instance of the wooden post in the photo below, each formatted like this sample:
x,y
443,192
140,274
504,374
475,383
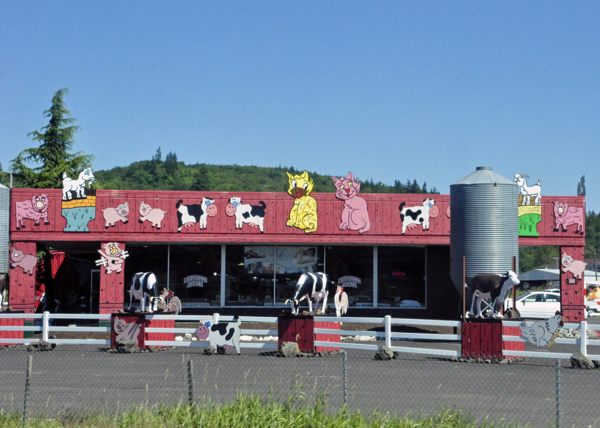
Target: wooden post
x,y
514,290
464,308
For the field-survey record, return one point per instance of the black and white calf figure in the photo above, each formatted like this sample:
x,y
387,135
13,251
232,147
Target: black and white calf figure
x,y
310,286
144,285
494,287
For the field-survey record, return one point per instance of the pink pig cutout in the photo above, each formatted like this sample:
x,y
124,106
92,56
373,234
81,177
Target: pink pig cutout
x,y
154,215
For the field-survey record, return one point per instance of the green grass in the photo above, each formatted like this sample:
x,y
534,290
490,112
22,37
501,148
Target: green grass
x,y
247,412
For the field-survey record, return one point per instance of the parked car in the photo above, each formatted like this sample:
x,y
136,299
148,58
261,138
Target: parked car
x,y
536,304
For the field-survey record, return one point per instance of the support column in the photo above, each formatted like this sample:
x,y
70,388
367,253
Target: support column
x,y
572,288
22,276
112,284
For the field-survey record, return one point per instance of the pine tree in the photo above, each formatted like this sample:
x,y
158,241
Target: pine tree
x,y
52,157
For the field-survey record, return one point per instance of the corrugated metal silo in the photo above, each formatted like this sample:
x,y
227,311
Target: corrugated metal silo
x,y
484,225
4,223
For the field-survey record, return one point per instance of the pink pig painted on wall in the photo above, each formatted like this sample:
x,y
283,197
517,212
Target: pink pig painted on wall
x,y
25,261
113,215
576,267
566,215
154,215
35,209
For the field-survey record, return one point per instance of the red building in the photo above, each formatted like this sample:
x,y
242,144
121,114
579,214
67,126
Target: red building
x,y
213,254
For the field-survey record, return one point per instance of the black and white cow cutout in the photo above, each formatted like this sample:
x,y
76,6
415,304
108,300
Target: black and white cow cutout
x,y
494,287
310,286
144,286
252,215
188,215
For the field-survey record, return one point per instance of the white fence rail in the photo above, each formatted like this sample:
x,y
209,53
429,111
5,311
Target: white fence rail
x,y
46,320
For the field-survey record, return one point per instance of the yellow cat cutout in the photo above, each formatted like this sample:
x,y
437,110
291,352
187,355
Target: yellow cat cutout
x,y
304,212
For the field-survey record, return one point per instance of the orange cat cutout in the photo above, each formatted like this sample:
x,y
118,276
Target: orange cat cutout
x,y
304,212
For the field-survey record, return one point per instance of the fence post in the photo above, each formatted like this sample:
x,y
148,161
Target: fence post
x,y
388,331
558,409
583,330
216,318
27,383
45,325
190,382
345,377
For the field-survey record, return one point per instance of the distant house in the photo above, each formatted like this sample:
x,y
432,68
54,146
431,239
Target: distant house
x,y
548,278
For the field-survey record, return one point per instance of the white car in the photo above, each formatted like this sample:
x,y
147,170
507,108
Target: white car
x,y
536,304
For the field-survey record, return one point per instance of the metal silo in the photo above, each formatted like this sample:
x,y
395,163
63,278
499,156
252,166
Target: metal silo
x,y
484,225
4,222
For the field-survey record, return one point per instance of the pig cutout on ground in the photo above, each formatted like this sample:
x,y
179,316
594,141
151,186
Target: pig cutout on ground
x,y
225,335
113,215
25,261
35,209
576,267
154,215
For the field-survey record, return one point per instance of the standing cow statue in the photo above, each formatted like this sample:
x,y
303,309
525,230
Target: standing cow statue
x,y
310,286
143,286
493,287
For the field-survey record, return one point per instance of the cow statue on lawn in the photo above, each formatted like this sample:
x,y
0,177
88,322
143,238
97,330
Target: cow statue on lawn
x,y
494,287
144,285
310,286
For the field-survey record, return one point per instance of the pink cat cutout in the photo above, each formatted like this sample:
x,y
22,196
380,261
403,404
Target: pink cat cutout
x,y
355,215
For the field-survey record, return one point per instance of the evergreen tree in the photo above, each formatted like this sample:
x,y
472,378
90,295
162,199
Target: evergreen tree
x,y
52,157
171,164
201,179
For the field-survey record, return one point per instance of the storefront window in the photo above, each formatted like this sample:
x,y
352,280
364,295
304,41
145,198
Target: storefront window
x,y
290,263
195,274
352,268
401,277
145,258
249,280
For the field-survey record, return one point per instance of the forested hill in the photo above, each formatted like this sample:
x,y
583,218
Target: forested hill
x,y
170,174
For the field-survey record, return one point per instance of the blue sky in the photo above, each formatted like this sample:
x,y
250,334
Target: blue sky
x,y
388,90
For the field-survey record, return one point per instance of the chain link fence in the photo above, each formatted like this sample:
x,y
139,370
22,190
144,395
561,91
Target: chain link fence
x,y
77,379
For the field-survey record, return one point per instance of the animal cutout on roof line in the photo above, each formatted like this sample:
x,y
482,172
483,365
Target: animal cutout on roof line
x,y
114,215
529,192
252,215
304,212
188,215
411,217
355,215
35,209
76,187
565,216
154,215
493,287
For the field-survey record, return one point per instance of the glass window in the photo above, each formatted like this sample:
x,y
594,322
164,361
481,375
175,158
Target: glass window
x,y
401,277
145,258
249,275
352,268
290,263
195,274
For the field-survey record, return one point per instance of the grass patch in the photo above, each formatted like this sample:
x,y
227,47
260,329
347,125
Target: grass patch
x,y
247,411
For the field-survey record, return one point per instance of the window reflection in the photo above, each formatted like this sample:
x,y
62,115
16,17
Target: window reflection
x,y
346,264
401,277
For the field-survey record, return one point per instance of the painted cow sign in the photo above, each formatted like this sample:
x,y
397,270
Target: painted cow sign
x,y
411,217
253,215
188,215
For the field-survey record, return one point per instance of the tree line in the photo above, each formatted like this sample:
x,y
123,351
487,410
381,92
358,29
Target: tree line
x,y
43,166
